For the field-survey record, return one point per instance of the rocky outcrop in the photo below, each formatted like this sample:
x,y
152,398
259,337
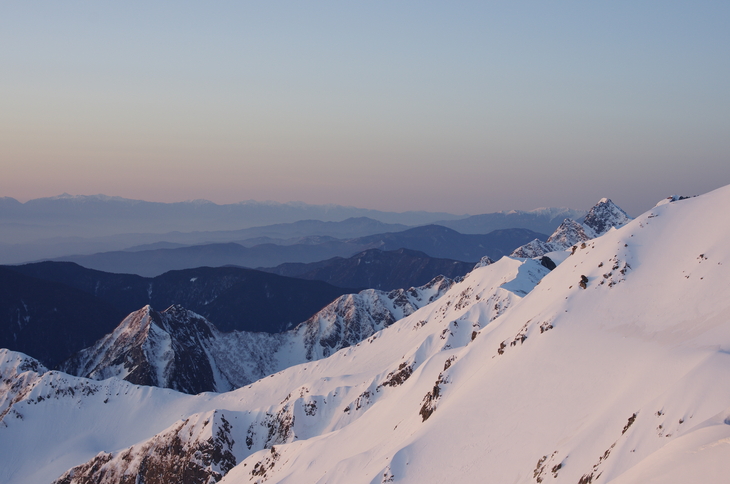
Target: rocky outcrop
x,y
165,349
198,450
604,216
355,317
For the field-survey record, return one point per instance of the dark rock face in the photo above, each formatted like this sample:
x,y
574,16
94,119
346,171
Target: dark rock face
x,y
547,262
377,269
165,349
604,215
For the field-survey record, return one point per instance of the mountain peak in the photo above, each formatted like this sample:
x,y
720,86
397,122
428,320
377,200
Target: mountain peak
x,y
568,233
605,215
152,348
600,219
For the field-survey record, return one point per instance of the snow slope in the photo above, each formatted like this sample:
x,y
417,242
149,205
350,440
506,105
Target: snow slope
x,y
614,367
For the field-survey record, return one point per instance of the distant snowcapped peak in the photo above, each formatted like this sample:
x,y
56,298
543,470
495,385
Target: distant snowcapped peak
x,y
85,198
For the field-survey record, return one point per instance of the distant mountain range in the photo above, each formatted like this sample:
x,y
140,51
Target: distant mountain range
x,y
433,240
48,319
67,225
280,234
53,309
543,220
100,215
376,269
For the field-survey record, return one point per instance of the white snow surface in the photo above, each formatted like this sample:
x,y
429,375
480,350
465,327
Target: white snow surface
x,y
515,375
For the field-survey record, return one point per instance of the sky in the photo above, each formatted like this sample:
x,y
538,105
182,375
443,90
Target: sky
x,y
462,107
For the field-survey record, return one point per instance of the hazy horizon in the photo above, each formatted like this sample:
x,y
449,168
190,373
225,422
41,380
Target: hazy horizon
x,y
460,108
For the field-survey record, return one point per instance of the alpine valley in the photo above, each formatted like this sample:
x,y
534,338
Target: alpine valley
x,y
599,356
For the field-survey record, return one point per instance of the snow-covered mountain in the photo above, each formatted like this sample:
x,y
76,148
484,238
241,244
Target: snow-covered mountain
x,y
611,368
180,349
601,218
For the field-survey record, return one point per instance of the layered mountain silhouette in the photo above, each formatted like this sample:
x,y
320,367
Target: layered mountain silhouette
x,y
434,240
377,269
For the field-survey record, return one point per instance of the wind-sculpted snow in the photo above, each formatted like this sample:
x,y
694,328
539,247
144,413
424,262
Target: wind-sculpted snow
x,y
604,216
179,349
612,367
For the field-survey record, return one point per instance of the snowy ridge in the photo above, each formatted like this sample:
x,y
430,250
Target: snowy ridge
x,y
612,369
18,376
602,217
279,413
180,349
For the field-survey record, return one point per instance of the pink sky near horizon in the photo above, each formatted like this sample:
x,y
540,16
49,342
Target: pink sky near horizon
x,y
464,108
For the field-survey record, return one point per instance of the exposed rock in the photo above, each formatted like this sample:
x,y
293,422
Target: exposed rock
x,y
604,216
198,450
547,262
599,220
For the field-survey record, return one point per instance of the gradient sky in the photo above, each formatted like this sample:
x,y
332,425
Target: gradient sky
x,y
466,107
